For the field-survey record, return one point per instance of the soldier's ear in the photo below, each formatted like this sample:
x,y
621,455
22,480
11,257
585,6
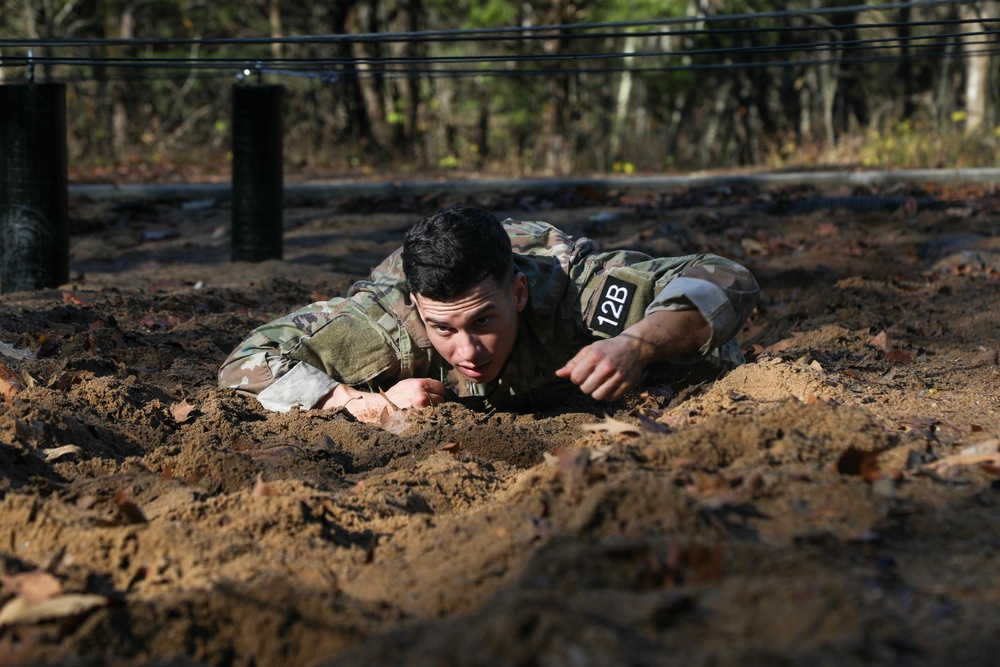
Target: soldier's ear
x,y
519,291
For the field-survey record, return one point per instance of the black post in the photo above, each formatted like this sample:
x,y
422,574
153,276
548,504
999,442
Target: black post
x,y
257,172
34,227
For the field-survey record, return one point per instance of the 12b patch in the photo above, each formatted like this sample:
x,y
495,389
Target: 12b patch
x,y
612,307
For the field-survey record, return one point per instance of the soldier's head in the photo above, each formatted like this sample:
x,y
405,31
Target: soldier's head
x,y
450,251
459,268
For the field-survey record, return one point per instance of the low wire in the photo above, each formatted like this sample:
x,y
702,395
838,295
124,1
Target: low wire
x,y
560,31
321,64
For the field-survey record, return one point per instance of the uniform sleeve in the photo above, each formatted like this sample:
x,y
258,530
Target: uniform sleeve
x,y
296,360
724,292
620,288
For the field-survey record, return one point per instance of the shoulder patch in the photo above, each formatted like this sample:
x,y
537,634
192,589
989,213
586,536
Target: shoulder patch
x,y
612,310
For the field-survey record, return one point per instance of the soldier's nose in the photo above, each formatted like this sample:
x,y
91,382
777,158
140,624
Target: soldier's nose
x,y
469,347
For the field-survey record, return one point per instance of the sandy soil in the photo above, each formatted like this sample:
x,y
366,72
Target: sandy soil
x,y
833,502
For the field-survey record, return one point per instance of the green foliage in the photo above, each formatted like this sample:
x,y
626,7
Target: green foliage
x,y
652,119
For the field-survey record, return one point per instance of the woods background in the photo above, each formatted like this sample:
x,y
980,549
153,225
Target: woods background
x,y
537,87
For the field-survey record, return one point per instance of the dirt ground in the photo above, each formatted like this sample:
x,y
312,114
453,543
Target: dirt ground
x,y
832,502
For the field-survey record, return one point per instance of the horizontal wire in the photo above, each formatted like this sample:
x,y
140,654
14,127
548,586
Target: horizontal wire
x,y
362,74
562,31
325,63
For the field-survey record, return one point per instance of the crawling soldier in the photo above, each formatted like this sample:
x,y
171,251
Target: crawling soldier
x,y
509,316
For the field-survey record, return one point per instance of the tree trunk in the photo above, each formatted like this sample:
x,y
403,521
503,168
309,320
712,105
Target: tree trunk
x,y
621,104
274,18
355,94
977,67
119,108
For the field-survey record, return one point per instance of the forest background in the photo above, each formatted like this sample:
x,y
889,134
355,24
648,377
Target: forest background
x,y
535,87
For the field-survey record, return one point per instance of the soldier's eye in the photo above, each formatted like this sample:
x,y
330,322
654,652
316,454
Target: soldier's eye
x,y
483,321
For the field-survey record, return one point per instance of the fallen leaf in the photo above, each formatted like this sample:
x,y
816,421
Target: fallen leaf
x,y
781,345
29,433
612,426
985,447
71,300
394,422
650,425
65,379
453,448
904,357
56,453
882,341
826,230
128,511
987,357
43,346
92,346
12,352
392,405
18,610
33,586
10,382
262,489
29,379
956,460
569,459
183,411
854,461
163,323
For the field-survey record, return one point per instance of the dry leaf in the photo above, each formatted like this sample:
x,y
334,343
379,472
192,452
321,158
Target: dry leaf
x,y
984,447
987,357
612,426
29,433
33,586
262,489
394,422
386,398
63,380
183,411
882,341
904,357
453,448
57,453
12,352
10,382
128,511
854,461
19,610
956,460
71,300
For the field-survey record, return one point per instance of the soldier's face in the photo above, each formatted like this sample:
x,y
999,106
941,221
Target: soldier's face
x,y
476,331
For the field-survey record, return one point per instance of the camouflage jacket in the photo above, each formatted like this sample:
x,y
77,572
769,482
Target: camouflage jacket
x,y
373,338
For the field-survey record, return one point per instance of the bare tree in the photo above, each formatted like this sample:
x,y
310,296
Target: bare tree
x,y
978,65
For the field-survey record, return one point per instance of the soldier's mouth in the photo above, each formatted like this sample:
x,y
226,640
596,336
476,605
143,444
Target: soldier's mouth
x,y
475,372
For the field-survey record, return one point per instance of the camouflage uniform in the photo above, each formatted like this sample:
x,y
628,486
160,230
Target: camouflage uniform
x,y
374,337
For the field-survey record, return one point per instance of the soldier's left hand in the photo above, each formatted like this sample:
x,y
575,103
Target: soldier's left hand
x,y
606,369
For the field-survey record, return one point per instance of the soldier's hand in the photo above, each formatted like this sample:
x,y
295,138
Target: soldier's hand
x,y
367,406
416,393
606,369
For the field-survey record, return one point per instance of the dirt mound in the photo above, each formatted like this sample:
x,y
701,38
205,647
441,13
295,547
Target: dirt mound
x,y
830,502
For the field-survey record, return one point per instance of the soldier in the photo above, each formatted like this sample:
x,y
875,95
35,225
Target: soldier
x,y
507,316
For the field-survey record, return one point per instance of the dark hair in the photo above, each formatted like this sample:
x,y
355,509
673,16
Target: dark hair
x,y
453,250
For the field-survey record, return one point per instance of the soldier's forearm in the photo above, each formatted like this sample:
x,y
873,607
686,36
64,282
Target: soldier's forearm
x,y
668,335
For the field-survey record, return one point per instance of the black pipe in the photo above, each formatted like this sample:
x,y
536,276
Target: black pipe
x,y
34,227
257,172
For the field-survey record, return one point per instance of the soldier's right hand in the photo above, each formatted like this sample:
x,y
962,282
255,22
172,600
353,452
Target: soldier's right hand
x,y
416,393
367,406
